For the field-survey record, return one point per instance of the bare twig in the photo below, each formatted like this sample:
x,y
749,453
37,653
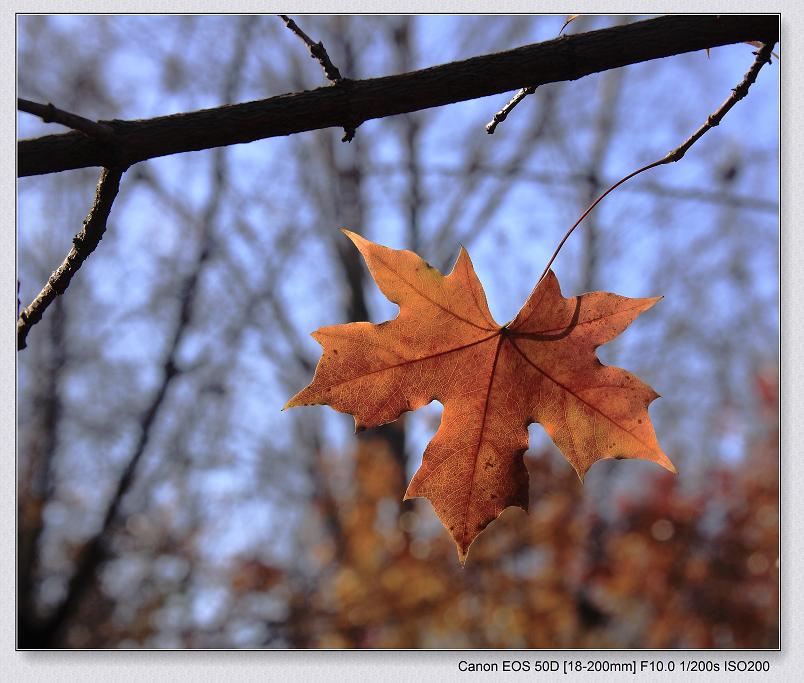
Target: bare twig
x,y
317,50
84,243
50,114
501,115
762,57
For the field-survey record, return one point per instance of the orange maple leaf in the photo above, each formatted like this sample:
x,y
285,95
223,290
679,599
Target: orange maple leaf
x,y
492,380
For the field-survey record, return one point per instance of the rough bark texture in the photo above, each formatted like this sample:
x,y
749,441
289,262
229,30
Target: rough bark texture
x,y
84,243
349,103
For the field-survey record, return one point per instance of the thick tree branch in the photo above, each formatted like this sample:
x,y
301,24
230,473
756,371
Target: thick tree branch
x,y
84,244
561,59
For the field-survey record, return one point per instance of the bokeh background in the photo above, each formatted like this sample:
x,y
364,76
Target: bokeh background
x,y
164,499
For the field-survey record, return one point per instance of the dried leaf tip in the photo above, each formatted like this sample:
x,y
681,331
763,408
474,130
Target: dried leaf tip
x,y
570,19
462,557
355,237
669,466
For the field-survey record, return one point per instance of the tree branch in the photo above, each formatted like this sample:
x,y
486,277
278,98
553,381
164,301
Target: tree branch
x,y
501,115
738,93
84,243
564,58
50,114
317,50
762,57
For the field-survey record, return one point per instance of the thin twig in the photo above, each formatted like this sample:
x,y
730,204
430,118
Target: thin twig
x,y
762,57
84,243
501,115
50,114
319,52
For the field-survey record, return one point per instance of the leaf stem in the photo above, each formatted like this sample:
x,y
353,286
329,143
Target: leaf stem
x,y
763,56
589,210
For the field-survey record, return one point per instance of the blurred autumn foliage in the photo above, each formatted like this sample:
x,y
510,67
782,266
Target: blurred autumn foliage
x,y
669,569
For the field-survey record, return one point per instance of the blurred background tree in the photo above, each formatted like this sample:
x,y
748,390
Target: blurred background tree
x,y
164,501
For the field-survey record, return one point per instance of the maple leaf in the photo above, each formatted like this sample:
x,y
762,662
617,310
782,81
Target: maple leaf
x,y
492,380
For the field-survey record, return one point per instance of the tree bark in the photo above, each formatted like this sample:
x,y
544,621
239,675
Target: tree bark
x,y
349,103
